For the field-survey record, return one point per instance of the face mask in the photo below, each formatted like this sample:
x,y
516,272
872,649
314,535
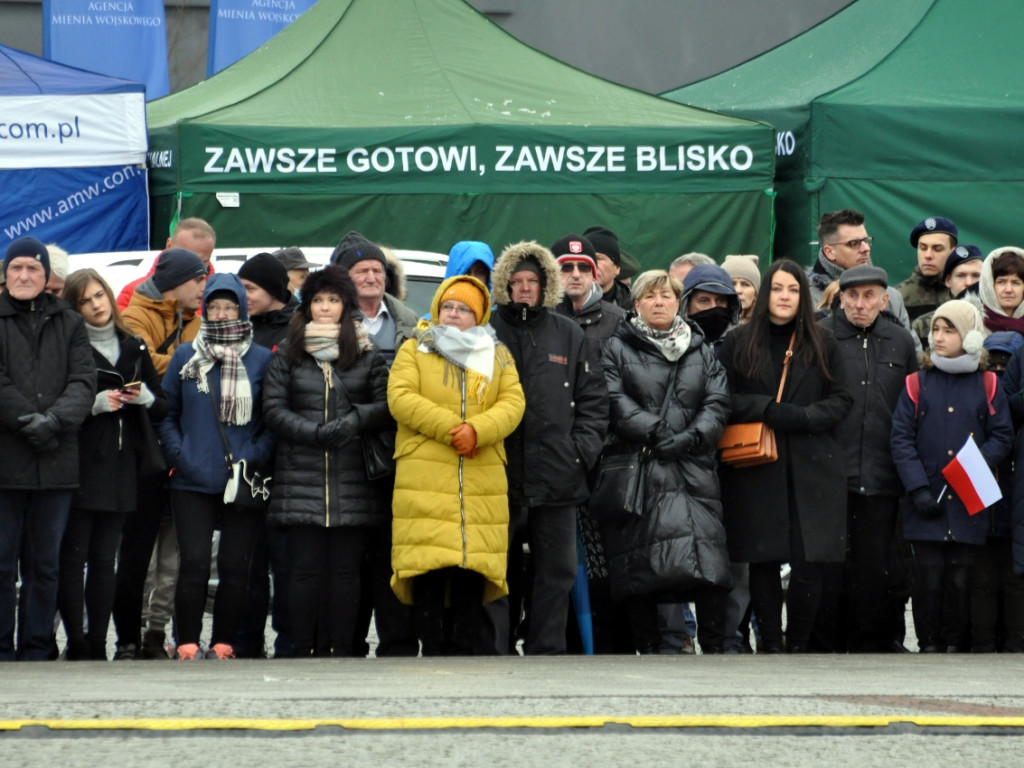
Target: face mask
x,y
713,322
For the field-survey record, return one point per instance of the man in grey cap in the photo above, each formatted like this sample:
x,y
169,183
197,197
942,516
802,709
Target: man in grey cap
x,y
878,355
298,266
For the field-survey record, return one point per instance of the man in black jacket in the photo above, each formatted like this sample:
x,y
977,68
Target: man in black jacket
x,y
558,441
878,354
583,302
47,386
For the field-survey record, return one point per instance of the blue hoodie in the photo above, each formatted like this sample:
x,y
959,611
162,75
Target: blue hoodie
x,y
464,254
189,434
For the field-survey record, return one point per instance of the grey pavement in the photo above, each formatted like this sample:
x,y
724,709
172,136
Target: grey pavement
x,y
443,692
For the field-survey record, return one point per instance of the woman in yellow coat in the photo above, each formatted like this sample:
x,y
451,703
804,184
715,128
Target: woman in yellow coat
x,y
455,394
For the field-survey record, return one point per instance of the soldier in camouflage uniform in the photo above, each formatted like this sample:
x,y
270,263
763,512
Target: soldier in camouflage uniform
x,y
960,275
922,292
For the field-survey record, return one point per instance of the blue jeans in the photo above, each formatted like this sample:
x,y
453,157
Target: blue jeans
x,y
31,528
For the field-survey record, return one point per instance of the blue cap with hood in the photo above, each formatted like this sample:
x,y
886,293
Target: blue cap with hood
x,y
464,254
222,281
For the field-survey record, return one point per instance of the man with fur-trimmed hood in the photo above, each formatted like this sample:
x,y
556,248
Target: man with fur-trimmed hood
x,y
558,441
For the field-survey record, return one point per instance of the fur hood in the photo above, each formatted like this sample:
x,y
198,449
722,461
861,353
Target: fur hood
x,y
511,256
394,275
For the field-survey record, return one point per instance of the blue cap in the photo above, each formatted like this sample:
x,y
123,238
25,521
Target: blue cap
x,y
932,225
958,256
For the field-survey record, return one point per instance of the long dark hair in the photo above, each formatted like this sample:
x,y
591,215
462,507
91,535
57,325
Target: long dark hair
x,y
334,280
753,355
75,286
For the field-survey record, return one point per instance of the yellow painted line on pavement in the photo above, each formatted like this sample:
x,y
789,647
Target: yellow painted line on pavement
x,y
459,723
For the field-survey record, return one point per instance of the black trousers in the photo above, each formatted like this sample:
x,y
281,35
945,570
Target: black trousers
x,y
942,593
196,516
91,538
867,575
997,600
463,591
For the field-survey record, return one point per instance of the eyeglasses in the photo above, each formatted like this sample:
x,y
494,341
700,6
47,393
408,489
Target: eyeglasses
x,y
458,309
856,243
582,266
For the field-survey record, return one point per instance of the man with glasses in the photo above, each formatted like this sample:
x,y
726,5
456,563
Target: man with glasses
x,y
845,243
583,300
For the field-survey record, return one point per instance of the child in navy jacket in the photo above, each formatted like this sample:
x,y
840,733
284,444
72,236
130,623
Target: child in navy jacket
x,y
952,403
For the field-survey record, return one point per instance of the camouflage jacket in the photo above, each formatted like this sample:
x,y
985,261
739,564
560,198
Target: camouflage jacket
x,y
922,294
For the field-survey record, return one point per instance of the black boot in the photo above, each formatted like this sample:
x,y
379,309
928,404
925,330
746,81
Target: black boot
x,y
154,645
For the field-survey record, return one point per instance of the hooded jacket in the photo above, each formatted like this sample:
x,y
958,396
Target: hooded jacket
x,y
560,437
708,277
987,289
46,366
450,510
190,437
156,319
465,254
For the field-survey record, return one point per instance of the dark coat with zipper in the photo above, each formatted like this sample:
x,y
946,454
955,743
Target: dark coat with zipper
x,y
806,486
1012,385
562,432
314,485
270,329
678,544
876,362
110,442
926,438
46,366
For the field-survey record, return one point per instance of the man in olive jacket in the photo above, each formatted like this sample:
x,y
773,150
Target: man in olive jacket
x,y
558,441
47,387
878,354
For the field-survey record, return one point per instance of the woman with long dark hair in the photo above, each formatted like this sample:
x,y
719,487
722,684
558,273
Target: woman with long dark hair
x,y
793,509
110,442
326,391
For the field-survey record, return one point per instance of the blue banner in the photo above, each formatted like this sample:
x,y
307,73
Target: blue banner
x,y
123,38
239,27
80,209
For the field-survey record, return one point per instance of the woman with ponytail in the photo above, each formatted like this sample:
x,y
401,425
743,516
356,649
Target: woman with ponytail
x,y
326,393
218,377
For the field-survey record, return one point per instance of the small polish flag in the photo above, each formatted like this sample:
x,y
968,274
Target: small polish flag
x,y
972,479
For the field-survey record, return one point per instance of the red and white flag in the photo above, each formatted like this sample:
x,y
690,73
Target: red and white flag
x,y
969,475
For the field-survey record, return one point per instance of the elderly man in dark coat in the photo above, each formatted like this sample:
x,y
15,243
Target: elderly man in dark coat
x,y
47,386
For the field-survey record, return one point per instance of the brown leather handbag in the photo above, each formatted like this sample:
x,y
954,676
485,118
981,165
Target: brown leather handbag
x,y
753,443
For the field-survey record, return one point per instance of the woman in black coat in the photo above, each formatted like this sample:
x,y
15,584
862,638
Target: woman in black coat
x,y
670,400
323,393
116,443
794,509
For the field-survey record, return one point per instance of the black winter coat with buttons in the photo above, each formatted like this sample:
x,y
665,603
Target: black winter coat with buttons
x,y
46,366
876,363
315,485
110,442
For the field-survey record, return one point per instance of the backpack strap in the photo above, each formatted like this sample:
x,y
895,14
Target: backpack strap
x,y
913,384
991,383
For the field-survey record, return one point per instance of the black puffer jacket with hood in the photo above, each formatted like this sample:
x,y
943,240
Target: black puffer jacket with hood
x,y
560,437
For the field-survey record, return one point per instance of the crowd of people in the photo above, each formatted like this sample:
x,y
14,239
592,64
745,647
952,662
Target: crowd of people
x,y
533,465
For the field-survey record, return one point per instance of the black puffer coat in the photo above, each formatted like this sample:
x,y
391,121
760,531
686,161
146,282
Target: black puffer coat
x,y
551,452
270,328
314,485
109,441
46,366
678,544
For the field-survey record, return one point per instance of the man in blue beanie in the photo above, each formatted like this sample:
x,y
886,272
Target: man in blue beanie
x,y
47,387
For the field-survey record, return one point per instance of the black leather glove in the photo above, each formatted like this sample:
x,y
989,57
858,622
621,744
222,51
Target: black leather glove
x,y
337,432
675,445
925,503
40,429
785,417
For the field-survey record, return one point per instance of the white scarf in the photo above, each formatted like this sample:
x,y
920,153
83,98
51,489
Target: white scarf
x,y
471,350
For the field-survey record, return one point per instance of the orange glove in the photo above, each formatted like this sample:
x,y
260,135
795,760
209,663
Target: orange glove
x,y
464,440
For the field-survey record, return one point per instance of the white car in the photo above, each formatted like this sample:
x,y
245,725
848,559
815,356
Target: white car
x,y
424,270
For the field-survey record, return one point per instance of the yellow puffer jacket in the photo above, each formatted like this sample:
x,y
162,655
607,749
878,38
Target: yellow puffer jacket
x,y
450,510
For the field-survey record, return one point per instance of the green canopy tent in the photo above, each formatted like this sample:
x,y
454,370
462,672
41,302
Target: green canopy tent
x,y
901,110
420,122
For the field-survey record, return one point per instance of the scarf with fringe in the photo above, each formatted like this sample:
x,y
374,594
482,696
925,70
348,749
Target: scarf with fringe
x,y
224,342
472,351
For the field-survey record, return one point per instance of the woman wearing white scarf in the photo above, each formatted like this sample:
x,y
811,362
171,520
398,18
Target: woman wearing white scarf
x,y
326,395
216,377
456,396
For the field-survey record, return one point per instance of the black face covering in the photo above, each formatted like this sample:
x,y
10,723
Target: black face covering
x,y
713,322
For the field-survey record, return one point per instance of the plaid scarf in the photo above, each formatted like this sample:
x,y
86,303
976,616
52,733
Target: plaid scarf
x,y
224,342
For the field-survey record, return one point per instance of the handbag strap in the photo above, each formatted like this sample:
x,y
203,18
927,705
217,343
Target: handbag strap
x,y
228,457
785,367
